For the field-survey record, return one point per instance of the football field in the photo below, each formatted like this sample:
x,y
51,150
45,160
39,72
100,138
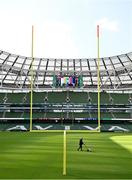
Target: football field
x,y
40,156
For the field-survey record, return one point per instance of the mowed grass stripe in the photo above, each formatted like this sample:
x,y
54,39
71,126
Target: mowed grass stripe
x,y
40,156
124,141
108,160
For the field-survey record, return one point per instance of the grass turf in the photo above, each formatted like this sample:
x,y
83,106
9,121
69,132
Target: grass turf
x,y
40,156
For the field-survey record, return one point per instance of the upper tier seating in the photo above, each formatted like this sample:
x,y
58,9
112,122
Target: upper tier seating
x,y
62,97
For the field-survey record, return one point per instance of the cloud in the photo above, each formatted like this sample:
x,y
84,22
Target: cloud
x,y
105,23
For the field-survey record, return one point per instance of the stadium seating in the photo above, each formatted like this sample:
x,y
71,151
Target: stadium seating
x,y
54,106
119,98
39,98
78,97
56,97
122,115
61,97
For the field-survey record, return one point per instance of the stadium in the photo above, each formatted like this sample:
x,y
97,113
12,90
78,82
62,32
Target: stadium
x,y
65,94
61,95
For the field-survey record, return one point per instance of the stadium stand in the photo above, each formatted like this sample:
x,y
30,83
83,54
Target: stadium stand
x,y
65,97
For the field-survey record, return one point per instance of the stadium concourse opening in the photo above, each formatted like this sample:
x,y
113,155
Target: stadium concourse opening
x,y
65,93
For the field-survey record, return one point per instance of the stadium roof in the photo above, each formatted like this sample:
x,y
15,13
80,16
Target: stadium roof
x,y
15,71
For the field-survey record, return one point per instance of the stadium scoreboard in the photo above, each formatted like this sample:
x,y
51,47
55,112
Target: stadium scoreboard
x,y
67,81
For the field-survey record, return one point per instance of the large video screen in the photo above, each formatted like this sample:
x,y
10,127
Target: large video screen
x,y
67,81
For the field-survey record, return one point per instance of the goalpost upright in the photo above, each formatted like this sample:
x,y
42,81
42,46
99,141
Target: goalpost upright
x,y
31,98
64,153
31,80
98,81
98,76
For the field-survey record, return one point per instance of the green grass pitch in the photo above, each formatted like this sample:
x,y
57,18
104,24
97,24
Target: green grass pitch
x,y
40,156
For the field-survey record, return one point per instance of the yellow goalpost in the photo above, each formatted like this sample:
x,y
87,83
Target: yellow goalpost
x,y
31,81
98,76
64,153
31,88
64,131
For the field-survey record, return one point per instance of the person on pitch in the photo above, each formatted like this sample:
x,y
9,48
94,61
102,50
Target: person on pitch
x,y
80,144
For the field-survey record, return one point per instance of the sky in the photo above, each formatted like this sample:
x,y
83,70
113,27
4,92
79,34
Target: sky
x,y
66,28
